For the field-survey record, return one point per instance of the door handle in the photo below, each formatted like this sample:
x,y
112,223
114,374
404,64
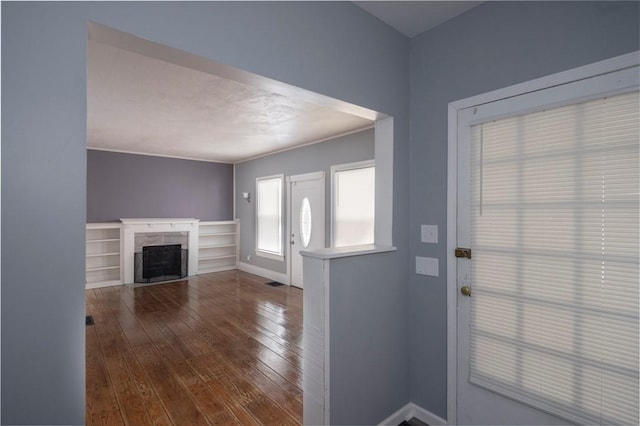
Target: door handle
x,y
466,290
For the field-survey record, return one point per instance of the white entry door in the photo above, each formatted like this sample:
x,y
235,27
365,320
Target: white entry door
x,y
307,220
547,303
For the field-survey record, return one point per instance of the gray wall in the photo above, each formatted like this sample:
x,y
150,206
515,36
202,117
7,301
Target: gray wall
x,y
128,185
493,46
363,349
333,48
313,158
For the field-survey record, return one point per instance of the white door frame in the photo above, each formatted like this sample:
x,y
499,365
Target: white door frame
x,y
290,180
591,70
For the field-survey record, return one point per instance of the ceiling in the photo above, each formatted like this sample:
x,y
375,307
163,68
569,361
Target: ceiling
x,y
140,104
414,17
147,98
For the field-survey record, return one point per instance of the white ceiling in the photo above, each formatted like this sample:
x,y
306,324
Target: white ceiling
x,y
143,97
145,105
414,17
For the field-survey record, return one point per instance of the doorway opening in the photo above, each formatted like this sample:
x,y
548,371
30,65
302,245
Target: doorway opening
x,y
118,127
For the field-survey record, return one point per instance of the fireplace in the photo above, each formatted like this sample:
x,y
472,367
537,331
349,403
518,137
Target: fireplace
x,y
139,233
161,263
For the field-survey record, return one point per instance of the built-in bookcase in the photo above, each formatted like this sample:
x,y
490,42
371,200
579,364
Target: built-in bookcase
x,y
218,246
217,250
103,255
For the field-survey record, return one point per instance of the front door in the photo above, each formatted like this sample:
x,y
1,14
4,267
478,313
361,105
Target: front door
x,y
548,300
306,218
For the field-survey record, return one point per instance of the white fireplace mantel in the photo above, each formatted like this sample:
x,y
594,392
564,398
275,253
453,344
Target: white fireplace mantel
x,y
132,226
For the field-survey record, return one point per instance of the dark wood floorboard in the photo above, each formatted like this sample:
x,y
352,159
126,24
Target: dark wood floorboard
x,y
216,349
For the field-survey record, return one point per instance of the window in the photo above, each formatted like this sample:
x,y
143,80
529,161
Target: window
x,y
554,230
305,222
353,208
269,217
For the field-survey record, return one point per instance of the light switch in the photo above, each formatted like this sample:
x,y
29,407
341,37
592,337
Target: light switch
x,y
429,233
427,266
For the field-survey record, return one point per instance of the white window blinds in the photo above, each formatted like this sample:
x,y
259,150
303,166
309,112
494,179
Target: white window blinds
x,y
354,208
554,231
269,215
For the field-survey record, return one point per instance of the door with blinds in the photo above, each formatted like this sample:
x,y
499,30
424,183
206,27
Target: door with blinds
x,y
548,201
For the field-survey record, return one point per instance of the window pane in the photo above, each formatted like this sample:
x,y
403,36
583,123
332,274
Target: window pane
x,y
354,206
554,231
305,222
269,215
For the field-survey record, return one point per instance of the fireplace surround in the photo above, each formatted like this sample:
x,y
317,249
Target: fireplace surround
x,y
164,231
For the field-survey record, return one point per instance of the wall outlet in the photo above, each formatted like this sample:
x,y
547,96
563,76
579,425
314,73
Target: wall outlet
x,y
427,266
429,233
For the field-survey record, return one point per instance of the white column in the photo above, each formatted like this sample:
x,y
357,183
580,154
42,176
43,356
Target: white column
x,y
315,362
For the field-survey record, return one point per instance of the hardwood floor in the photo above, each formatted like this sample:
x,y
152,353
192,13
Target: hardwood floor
x,y
221,348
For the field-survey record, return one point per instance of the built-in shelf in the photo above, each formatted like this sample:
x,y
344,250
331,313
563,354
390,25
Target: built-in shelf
x,y
103,268
228,256
218,246
106,240
103,255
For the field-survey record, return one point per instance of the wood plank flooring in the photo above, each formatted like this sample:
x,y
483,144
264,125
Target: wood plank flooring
x,y
222,348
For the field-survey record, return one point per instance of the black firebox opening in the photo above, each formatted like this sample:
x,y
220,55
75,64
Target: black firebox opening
x,y
160,263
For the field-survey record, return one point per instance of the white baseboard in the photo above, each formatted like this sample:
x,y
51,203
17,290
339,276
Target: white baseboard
x,y
398,417
412,410
100,284
267,273
427,416
212,270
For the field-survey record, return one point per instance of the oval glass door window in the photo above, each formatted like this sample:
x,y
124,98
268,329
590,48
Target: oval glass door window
x,y
305,222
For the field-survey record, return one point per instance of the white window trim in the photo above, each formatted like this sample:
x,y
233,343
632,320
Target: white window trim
x,y
384,182
263,253
603,67
341,168
269,255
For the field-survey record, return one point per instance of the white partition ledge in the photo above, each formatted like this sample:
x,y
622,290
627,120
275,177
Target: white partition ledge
x,y
316,325
337,252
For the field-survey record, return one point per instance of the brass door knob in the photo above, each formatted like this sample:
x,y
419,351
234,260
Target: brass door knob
x,y
466,290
